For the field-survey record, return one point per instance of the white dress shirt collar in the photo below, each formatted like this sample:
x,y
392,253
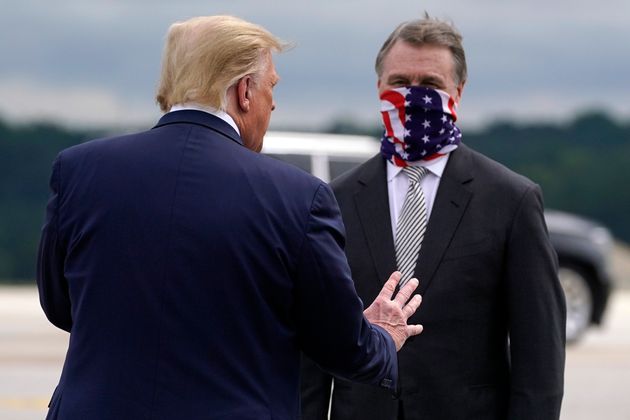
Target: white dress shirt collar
x,y
217,113
435,166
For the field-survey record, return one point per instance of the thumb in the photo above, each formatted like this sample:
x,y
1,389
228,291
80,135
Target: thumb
x,y
414,329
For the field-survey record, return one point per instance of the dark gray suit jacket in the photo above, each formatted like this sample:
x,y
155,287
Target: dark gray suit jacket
x,y
487,272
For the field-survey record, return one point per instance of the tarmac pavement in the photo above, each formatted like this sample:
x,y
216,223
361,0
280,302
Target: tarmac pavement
x,y
597,380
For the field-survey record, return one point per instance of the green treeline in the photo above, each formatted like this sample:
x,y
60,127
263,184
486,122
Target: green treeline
x,y
26,156
582,167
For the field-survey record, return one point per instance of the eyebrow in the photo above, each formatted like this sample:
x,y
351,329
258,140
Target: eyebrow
x,y
433,79
398,76
424,80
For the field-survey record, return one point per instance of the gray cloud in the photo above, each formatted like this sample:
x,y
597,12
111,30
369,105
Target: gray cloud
x,y
97,62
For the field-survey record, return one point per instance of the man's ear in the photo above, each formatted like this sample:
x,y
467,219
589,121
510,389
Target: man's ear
x,y
460,90
243,93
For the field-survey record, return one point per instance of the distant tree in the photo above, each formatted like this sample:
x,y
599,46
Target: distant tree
x,y
26,155
582,166
350,126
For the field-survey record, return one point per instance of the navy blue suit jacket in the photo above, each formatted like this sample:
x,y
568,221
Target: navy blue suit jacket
x,y
190,273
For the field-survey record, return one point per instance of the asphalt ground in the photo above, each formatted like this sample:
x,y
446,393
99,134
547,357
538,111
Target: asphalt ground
x,y
597,381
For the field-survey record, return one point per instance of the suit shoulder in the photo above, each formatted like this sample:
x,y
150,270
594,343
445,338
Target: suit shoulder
x,y
349,180
497,174
278,181
290,174
95,144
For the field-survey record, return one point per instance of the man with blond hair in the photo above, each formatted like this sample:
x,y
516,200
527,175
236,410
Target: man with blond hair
x,y
190,270
471,231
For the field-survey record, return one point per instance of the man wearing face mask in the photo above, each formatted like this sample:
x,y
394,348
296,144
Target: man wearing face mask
x,y
471,231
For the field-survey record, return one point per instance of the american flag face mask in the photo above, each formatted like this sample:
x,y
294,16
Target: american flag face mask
x,y
419,124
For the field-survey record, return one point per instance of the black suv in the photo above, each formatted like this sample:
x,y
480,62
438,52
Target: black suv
x,y
584,248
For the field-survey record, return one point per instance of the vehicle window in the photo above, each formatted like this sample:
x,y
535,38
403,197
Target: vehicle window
x,y
301,161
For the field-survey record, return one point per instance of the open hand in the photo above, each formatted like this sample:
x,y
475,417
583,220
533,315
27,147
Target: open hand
x,y
392,314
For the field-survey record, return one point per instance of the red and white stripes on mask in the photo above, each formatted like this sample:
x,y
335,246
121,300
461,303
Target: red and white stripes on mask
x,y
419,124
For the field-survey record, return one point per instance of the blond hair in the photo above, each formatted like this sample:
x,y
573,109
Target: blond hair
x,y
428,31
204,56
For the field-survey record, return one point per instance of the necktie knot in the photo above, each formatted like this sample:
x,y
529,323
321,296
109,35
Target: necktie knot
x,y
415,173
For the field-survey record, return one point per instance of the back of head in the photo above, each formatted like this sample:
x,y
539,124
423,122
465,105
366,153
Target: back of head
x,y
428,31
206,55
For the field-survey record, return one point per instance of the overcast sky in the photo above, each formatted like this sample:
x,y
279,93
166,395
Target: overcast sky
x,y
96,62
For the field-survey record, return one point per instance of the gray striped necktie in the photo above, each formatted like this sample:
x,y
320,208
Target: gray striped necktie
x,y
411,225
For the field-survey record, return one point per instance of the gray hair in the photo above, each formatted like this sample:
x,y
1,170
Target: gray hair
x,y
428,31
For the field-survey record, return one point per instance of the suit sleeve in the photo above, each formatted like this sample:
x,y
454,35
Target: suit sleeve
x,y
53,287
537,315
332,329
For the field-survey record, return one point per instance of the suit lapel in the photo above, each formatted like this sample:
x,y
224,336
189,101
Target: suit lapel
x,y
372,206
450,205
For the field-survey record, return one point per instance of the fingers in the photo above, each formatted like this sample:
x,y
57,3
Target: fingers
x,y
390,285
411,307
405,292
414,329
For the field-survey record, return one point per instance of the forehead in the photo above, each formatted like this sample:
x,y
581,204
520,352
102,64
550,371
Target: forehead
x,y
407,59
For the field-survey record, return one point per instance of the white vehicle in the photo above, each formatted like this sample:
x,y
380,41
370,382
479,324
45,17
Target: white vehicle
x,y
324,155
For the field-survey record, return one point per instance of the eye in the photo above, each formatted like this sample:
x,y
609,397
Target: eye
x,y
432,83
398,81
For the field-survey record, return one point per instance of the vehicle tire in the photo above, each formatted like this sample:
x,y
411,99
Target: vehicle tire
x,y
579,298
